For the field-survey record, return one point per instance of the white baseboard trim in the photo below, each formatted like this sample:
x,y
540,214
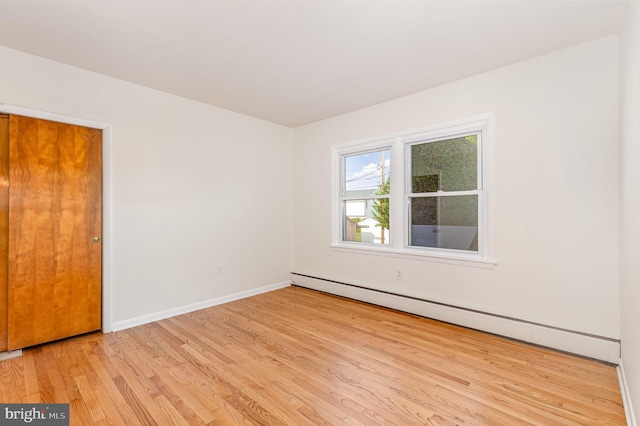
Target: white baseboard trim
x,y
10,354
626,396
600,348
157,316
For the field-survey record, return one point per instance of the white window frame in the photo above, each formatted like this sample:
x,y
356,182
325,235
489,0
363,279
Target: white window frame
x,y
399,144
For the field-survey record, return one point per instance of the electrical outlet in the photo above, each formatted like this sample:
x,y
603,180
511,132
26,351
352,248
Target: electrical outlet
x,y
399,274
218,270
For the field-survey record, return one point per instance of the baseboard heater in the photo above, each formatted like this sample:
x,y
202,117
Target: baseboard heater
x,y
588,345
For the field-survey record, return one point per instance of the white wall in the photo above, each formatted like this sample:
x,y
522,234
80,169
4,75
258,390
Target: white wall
x,y
556,197
630,200
194,186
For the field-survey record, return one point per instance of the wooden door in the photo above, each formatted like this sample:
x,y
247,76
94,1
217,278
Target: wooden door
x,y
4,227
55,213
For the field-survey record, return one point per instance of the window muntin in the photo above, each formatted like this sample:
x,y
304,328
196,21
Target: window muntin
x,y
365,197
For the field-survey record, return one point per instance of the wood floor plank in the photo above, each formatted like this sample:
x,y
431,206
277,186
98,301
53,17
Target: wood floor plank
x,y
32,388
300,357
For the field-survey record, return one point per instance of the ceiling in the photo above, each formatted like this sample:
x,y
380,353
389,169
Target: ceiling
x,y
296,62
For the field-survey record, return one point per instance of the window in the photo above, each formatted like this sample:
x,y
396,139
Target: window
x,y
442,193
365,197
424,192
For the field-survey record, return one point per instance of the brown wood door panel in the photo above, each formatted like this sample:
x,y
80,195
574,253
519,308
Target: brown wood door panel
x,y
4,227
55,210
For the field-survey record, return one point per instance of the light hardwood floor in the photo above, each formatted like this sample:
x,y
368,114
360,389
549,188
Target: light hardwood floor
x,y
299,357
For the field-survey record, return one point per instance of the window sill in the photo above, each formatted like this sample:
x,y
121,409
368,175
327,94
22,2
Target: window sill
x,y
440,256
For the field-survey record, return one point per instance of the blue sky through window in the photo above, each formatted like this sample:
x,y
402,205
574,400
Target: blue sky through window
x,y
363,171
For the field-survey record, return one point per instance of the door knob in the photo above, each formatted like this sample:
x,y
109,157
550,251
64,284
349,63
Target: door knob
x,y
96,239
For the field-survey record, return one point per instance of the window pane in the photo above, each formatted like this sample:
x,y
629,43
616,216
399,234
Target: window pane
x,y
445,222
365,174
366,221
448,165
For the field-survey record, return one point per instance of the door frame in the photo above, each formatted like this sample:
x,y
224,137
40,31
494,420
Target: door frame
x,y
107,210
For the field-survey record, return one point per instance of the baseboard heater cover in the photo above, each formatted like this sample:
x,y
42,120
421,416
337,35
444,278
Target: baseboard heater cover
x,y
591,346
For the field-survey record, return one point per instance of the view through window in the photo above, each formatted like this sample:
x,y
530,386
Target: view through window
x,y
366,197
